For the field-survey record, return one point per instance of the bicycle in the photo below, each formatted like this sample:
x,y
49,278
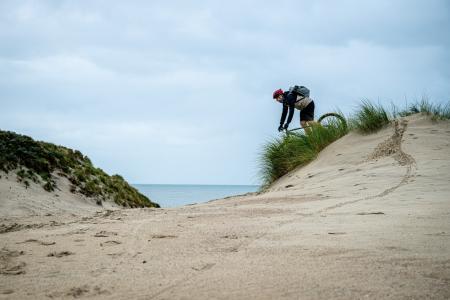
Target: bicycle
x,y
326,120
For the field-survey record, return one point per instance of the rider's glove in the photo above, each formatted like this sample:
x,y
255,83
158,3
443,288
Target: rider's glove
x,y
280,128
285,127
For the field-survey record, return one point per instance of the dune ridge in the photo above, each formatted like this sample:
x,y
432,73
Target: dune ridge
x,y
38,177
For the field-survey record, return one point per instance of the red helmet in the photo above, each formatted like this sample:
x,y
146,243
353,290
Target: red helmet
x,y
277,93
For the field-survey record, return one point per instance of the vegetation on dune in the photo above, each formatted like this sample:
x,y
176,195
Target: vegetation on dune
x,y
290,151
282,155
39,161
369,117
437,111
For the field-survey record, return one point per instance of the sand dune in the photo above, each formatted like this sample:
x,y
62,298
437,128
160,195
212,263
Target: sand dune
x,y
18,201
368,219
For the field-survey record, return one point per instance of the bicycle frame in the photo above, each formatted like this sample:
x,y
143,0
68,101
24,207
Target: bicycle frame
x,y
300,128
338,116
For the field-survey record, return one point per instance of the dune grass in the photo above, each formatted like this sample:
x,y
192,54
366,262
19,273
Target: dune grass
x,y
369,117
437,111
284,154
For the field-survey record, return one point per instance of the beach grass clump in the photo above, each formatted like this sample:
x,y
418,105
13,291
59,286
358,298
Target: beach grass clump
x,y
39,162
369,117
319,136
284,154
437,111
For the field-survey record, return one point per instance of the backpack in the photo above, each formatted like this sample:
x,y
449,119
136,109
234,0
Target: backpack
x,y
299,90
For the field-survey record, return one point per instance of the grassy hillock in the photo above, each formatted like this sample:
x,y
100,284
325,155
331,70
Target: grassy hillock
x,y
38,162
289,151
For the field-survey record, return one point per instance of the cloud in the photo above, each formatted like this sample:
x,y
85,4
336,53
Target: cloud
x,y
164,91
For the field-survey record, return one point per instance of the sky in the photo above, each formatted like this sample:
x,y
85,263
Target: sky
x,y
181,91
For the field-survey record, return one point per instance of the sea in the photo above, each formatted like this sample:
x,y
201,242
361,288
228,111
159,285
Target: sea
x,y
173,195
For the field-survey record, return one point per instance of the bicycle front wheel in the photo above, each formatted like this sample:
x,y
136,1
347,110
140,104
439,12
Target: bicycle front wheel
x,y
332,119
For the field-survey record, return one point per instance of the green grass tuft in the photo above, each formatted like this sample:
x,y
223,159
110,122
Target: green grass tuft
x,y
437,111
282,155
369,118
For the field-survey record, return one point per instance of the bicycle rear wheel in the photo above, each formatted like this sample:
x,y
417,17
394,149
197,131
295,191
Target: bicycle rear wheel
x,y
332,119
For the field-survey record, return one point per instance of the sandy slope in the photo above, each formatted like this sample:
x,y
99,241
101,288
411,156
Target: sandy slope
x,y
16,201
355,223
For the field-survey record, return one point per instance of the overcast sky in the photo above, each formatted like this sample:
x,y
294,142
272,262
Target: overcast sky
x,y
180,91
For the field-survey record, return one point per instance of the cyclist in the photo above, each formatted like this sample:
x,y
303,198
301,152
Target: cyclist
x,y
296,97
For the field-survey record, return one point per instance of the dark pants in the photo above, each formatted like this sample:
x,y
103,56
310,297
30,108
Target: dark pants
x,y
307,114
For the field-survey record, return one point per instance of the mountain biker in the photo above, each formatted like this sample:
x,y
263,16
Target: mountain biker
x,y
296,97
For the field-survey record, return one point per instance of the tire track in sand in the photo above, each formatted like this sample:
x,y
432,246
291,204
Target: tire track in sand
x,y
391,146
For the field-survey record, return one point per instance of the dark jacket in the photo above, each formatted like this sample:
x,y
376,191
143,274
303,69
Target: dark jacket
x,y
288,103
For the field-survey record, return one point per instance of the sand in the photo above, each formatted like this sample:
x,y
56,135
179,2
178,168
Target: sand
x,y
368,219
16,201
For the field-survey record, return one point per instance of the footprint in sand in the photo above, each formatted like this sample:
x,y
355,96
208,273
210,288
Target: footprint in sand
x,y
114,255
110,243
43,243
4,228
76,231
13,269
226,249
230,236
370,213
203,267
7,264
163,236
105,233
137,253
60,254
442,233
80,291
396,248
